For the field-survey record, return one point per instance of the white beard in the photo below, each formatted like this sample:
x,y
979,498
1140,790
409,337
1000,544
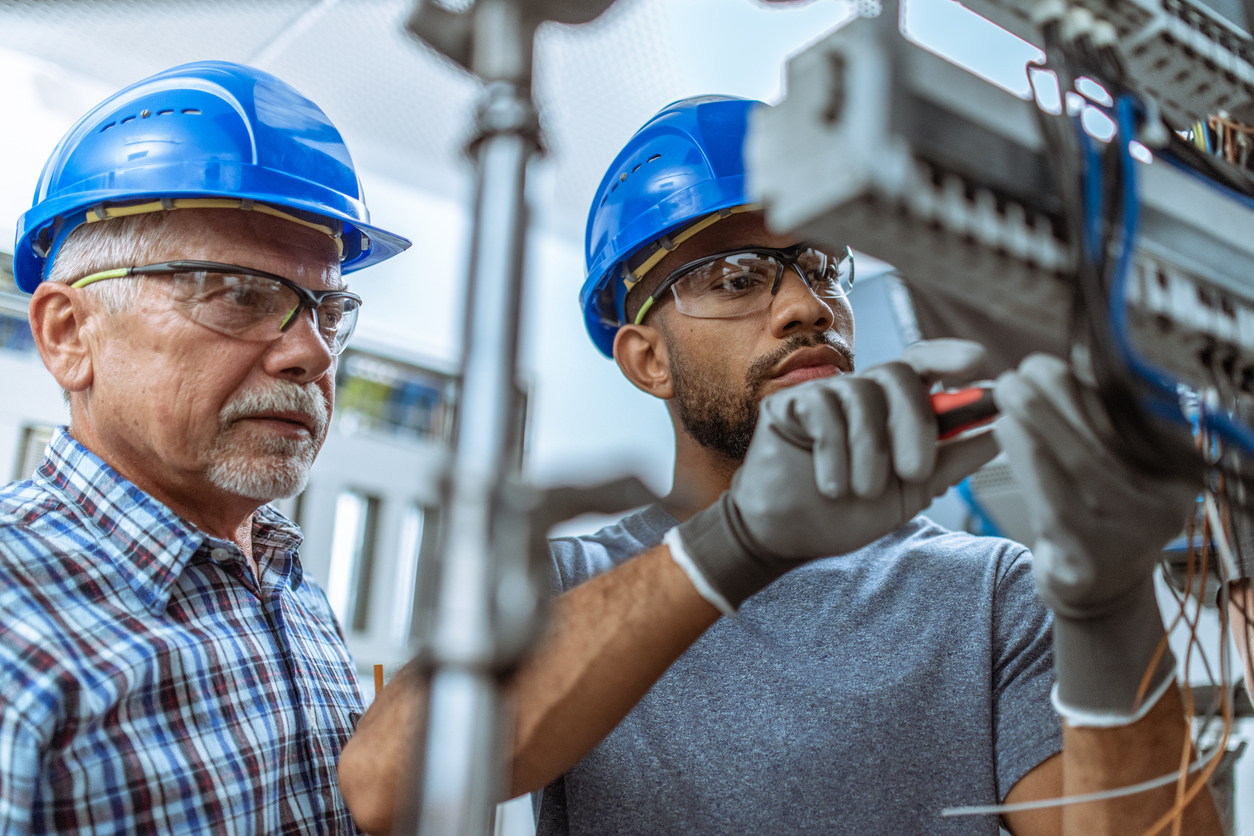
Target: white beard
x,y
267,468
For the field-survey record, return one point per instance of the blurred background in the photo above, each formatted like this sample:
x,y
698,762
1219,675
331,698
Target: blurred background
x,y
370,510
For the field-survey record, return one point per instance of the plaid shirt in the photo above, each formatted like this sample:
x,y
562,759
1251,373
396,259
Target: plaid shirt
x,y
149,684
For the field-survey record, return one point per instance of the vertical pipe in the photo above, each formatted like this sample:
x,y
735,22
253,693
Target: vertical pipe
x,y
466,719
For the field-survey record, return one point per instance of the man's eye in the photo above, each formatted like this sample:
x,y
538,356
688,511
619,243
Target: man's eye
x,y
812,264
735,283
245,297
329,318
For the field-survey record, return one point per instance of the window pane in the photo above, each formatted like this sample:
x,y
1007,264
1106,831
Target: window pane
x,y
352,558
426,536
381,396
407,573
34,441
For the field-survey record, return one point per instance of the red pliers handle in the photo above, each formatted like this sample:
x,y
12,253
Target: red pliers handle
x,y
963,409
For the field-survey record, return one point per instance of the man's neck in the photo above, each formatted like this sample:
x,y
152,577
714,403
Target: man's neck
x,y
213,511
701,475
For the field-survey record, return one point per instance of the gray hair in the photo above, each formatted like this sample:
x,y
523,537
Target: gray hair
x,y
105,245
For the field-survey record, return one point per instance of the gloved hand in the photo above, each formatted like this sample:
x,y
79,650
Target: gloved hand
x,y
835,464
1100,526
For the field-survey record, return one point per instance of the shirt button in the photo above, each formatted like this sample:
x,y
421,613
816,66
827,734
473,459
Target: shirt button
x,y
220,555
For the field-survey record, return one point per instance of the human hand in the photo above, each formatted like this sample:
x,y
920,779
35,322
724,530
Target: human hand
x,y
836,464
1100,526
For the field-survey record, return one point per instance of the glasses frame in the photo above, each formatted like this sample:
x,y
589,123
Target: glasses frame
x,y
787,257
306,299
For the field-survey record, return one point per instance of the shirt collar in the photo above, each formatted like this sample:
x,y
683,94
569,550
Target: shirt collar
x,y
147,543
275,533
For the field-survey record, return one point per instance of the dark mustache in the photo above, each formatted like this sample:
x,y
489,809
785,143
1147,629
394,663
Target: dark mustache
x,y
759,371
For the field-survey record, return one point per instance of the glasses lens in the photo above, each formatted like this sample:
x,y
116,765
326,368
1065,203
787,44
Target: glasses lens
x,y
337,317
731,286
829,276
256,308
247,307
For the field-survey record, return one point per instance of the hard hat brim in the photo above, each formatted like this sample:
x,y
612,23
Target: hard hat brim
x,y
238,182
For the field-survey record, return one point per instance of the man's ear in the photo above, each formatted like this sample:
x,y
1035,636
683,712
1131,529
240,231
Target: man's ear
x,y
61,324
640,351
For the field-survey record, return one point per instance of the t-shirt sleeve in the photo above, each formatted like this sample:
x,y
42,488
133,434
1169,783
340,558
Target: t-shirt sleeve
x,y
575,561
1026,729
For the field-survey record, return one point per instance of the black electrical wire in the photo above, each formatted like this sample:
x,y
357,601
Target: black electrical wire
x,y
1136,436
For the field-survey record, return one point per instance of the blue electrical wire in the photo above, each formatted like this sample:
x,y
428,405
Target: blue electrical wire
x,y
1165,390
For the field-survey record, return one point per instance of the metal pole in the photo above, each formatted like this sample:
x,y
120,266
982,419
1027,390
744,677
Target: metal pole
x,y
480,605
462,770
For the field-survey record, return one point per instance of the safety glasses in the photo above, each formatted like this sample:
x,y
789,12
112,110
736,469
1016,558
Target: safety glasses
x,y
741,282
245,303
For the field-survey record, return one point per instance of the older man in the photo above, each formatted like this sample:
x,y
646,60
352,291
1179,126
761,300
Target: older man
x,y
167,667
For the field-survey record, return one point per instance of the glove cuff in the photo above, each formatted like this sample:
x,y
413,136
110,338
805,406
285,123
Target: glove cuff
x,y
719,545
1101,662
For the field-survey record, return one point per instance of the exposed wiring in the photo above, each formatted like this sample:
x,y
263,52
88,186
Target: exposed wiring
x,y
1067,800
1185,793
1101,204
1164,390
1205,764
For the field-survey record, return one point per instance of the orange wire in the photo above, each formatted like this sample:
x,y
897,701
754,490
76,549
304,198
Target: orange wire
x,y
1185,793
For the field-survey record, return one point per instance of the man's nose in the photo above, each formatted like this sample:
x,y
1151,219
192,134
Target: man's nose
x,y
796,307
300,354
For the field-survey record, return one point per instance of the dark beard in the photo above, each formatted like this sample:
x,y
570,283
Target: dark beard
x,y
720,418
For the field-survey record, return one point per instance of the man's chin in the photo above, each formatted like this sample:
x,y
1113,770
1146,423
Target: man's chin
x,y
264,478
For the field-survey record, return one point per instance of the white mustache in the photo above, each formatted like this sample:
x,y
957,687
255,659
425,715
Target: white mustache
x,y
284,396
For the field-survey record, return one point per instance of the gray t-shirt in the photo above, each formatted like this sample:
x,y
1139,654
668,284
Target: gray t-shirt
x,y
857,694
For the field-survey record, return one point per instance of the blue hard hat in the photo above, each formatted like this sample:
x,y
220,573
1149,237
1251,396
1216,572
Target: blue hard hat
x,y
685,163
207,134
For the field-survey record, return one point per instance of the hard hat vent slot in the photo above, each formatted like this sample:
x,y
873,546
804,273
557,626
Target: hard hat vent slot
x,y
654,157
169,111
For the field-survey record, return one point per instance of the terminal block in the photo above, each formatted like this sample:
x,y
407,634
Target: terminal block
x,y
1192,60
889,148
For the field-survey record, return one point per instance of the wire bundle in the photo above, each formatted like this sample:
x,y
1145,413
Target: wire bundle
x,y
1139,403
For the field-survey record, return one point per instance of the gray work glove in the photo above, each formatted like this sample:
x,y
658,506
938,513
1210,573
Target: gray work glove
x,y
834,465
1100,526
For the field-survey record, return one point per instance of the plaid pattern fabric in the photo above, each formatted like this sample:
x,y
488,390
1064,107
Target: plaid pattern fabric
x,y
148,687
